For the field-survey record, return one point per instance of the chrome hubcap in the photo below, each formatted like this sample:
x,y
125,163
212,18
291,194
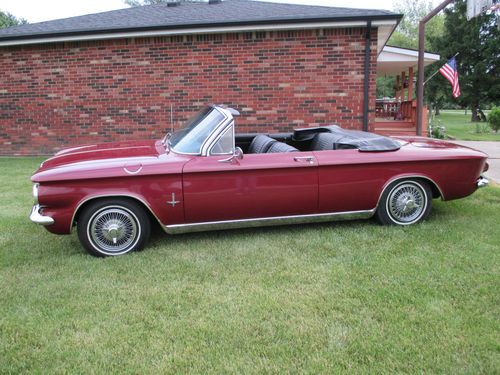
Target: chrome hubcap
x,y
113,229
406,203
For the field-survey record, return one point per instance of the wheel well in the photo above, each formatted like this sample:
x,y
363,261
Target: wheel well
x,y
81,208
436,191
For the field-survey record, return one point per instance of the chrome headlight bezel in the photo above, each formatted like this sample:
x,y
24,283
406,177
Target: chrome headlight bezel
x,y
35,192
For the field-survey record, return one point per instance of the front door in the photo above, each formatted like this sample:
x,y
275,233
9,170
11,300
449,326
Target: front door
x,y
259,185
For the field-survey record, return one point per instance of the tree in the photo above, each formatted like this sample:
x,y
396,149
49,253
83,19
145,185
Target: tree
x,y
477,42
406,35
7,20
134,3
494,119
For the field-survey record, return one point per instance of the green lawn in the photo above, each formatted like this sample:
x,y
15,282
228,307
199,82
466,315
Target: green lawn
x,y
459,126
350,297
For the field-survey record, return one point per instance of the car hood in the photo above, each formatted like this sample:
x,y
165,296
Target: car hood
x,y
109,160
102,151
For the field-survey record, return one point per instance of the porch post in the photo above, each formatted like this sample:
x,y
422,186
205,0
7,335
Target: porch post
x,y
403,77
421,51
397,87
410,84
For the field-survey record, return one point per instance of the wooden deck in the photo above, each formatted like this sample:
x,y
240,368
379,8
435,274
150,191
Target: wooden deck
x,y
394,127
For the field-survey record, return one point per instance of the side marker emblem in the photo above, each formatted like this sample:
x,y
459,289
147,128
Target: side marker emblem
x,y
173,202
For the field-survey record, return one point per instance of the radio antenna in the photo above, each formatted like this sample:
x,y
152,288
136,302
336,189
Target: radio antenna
x,y
171,118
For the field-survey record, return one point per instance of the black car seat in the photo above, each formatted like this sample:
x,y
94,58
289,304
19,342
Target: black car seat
x,y
260,144
329,141
323,141
281,147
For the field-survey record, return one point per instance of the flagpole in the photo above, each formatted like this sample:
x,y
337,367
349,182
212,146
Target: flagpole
x,y
437,71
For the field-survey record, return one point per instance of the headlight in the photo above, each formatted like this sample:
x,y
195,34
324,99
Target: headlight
x,y
35,193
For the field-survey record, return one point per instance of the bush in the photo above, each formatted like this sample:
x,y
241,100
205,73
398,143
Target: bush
x,y
494,119
436,129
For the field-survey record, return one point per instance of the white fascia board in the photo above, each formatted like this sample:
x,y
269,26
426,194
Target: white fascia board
x,y
410,52
191,31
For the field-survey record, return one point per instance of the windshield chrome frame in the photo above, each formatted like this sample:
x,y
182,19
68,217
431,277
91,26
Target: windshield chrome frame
x,y
213,137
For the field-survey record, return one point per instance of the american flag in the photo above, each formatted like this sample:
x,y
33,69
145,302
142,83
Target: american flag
x,y
450,72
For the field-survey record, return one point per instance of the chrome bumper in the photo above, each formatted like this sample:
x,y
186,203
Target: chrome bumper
x,y
38,218
482,182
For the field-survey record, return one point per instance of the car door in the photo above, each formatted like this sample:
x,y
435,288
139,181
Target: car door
x,y
349,180
257,186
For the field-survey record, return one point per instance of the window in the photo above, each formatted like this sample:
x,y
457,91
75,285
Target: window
x,y
225,144
190,139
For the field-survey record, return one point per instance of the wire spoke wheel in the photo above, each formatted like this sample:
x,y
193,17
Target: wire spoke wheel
x,y
406,203
113,230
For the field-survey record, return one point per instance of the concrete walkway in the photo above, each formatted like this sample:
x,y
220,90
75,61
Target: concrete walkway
x,y
493,151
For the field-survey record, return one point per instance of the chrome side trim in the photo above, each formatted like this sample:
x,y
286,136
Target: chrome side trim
x,y
38,218
81,203
268,221
406,177
482,182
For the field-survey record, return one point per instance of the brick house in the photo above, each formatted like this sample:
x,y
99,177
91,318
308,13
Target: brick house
x,y
117,75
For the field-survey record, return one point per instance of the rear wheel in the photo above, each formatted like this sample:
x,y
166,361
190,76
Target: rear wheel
x,y
113,227
405,202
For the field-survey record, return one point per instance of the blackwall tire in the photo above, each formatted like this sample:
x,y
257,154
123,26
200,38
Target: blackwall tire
x,y
113,227
405,202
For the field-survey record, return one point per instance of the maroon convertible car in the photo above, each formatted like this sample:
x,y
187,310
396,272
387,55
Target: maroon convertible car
x,y
204,177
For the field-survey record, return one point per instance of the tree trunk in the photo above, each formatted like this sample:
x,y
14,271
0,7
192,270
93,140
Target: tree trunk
x,y
483,116
474,108
437,112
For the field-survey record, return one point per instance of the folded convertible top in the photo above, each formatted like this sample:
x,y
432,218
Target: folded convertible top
x,y
363,141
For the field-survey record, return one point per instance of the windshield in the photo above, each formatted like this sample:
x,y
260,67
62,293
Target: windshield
x,y
189,139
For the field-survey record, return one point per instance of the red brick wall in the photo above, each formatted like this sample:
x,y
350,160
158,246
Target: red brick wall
x,y
58,95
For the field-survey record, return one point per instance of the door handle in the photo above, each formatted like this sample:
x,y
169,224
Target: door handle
x,y
307,159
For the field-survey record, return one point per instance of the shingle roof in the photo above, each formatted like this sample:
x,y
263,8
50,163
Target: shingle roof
x,y
192,15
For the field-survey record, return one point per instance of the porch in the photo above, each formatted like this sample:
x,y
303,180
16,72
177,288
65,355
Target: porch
x,y
397,115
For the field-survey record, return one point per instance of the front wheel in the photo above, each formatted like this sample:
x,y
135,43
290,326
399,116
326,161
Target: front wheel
x,y
113,227
405,202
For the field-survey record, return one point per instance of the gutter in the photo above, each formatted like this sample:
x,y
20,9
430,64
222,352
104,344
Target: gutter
x,y
210,28
366,93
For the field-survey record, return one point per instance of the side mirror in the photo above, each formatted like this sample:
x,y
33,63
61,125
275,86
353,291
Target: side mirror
x,y
235,157
238,153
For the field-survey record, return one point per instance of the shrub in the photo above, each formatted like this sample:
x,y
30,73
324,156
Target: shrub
x,y
494,119
436,129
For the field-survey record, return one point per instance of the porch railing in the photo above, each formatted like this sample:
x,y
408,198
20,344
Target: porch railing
x,y
398,118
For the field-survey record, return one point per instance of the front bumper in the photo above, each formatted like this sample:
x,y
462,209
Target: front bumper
x,y
482,182
38,218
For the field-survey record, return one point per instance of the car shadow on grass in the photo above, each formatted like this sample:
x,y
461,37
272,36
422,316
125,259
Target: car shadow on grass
x,y
160,239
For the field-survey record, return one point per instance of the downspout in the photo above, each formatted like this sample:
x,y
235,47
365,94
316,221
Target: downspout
x,y
366,100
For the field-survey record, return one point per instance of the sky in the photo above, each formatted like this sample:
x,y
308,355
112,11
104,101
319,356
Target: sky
x,y
37,10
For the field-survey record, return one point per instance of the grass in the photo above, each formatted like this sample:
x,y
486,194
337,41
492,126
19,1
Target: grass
x,y
459,126
350,297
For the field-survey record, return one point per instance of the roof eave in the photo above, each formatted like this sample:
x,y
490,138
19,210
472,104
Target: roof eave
x,y
78,35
